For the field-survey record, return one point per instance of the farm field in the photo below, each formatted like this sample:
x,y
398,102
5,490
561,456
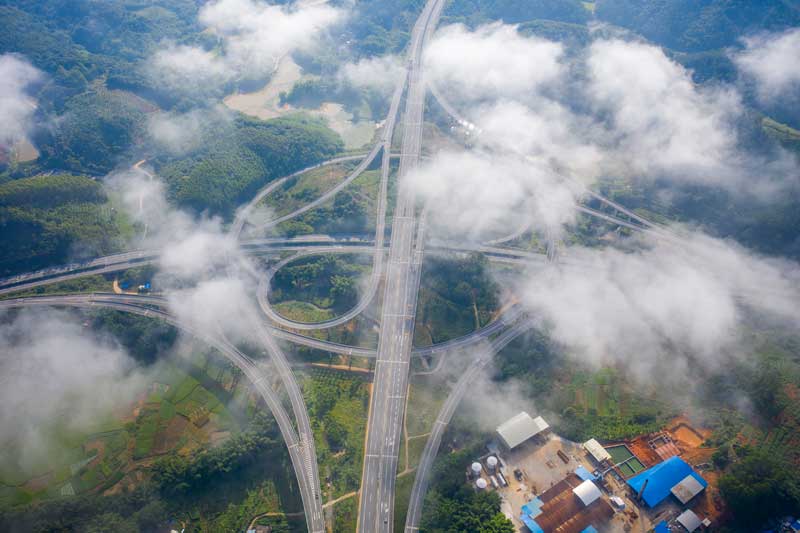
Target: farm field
x,y
186,408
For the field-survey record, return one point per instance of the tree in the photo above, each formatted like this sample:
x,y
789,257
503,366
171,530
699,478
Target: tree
x,y
760,487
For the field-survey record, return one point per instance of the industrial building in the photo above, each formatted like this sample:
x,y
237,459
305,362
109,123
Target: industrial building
x,y
673,476
521,428
596,451
570,506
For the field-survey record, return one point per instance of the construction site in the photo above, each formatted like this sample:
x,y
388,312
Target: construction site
x,y
660,482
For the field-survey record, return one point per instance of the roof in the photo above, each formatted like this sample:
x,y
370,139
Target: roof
x,y
661,527
687,489
531,524
689,520
587,492
584,474
589,529
596,450
520,428
661,478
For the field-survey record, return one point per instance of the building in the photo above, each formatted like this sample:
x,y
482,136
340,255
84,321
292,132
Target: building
x,y
569,506
598,453
689,520
520,428
656,483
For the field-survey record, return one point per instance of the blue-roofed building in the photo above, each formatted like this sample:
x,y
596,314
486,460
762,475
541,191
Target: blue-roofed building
x,y
531,524
584,474
673,476
589,529
796,526
661,527
533,508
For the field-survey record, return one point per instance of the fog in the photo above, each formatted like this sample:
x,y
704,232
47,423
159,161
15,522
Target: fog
x,y
57,378
16,105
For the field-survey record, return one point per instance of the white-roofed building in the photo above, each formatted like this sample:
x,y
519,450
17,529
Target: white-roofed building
x,y
596,450
520,428
587,492
687,489
689,520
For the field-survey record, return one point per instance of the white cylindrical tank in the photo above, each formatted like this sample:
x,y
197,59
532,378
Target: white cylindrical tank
x,y
480,483
476,469
491,462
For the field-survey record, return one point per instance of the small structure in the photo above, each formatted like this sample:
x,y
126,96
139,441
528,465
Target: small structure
x,y
687,489
587,492
520,428
476,469
655,484
618,502
597,452
689,520
661,527
584,474
481,484
491,463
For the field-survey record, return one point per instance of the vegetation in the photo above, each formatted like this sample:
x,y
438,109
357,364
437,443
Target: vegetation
x,y
50,219
453,506
337,405
327,282
233,162
456,297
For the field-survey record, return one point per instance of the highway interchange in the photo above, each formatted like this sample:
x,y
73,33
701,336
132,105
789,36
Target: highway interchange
x,y
396,266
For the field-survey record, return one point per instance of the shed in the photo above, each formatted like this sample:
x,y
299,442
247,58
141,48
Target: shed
x,y
687,489
689,520
520,428
587,492
597,451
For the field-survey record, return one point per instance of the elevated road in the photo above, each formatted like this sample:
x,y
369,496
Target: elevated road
x,y
422,476
376,503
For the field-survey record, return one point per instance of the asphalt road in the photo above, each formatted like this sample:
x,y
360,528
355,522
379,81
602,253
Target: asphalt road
x,y
422,475
390,383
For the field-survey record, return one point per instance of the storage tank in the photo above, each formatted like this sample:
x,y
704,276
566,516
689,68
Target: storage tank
x,y
480,484
491,463
476,469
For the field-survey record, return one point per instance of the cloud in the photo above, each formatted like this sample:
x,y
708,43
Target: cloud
x,y
254,36
16,105
379,73
772,60
57,378
187,69
659,123
492,61
180,133
476,195
661,308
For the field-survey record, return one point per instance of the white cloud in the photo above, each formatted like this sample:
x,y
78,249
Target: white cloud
x,y
182,132
188,69
492,61
57,378
16,106
773,61
660,123
476,195
379,73
254,34
662,306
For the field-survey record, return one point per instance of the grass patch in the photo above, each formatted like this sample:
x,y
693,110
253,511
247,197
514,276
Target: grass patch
x,y
96,283
307,187
424,401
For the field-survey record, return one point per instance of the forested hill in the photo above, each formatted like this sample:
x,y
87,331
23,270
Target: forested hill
x,y
234,160
699,25
46,220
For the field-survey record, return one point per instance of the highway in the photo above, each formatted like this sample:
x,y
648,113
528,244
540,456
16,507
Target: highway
x,y
422,476
390,383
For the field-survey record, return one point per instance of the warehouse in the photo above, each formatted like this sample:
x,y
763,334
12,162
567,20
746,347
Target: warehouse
x,y
672,476
521,428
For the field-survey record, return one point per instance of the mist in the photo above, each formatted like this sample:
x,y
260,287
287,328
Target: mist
x,y
17,107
